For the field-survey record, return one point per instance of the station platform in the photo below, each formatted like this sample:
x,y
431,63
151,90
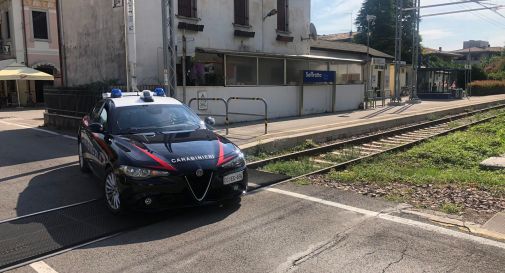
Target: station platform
x,y
288,132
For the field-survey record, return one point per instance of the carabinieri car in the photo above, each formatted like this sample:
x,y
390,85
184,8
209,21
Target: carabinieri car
x,y
153,152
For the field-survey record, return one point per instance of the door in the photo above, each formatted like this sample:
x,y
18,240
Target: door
x,y
39,85
89,140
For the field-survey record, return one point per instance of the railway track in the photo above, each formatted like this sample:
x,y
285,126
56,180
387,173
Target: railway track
x,y
37,236
338,156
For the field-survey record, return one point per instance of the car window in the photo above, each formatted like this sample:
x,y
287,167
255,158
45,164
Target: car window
x,y
156,117
103,118
96,111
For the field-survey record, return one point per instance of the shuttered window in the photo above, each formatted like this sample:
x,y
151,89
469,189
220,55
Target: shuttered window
x,y
242,12
282,15
40,30
186,8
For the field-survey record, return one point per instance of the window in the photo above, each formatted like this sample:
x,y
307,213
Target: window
x,y
241,70
271,71
348,73
39,20
294,70
103,119
187,8
355,73
282,15
204,69
145,118
242,12
8,24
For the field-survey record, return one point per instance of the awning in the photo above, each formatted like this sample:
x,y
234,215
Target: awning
x,y
274,55
16,71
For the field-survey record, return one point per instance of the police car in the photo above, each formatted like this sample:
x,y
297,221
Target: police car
x,y
153,152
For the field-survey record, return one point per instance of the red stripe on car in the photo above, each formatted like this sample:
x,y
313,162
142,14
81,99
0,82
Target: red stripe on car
x,y
160,161
221,159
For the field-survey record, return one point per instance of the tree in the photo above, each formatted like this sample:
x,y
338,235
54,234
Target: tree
x,y
382,31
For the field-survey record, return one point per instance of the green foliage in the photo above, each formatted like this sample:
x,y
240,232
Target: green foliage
x,y
490,87
292,168
382,35
451,208
260,153
452,159
434,61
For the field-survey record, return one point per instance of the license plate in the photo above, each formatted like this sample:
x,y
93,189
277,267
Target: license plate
x,y
232,178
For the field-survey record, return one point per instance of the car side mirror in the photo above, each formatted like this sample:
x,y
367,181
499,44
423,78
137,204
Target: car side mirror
x,y
210,121
96,128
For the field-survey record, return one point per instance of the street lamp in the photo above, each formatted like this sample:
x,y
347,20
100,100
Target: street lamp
x,y
369,19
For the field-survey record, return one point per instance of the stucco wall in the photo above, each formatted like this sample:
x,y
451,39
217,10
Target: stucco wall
x,y
283,101
93,41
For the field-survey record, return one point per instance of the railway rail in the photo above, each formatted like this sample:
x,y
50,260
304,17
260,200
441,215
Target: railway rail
x,y
356,150
29,238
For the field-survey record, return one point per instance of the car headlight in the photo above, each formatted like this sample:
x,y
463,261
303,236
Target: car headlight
x,y
237,162
141,172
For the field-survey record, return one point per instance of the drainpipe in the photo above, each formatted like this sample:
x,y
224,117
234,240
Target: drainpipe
x,y
24,30
61,43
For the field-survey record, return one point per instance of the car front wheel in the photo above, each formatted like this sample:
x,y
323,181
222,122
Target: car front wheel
x,y
112,194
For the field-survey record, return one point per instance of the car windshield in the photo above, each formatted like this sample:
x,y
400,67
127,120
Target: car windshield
x,y
155,117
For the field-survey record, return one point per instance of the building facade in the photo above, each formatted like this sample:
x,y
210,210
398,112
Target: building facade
x,y
29,36
241,48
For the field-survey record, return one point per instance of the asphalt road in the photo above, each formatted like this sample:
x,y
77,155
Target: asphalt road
x,y
272,231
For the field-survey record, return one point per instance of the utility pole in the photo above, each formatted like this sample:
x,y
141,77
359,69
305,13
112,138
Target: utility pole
x,y
398,50
415,50
169,48
369,19
131,46
184,72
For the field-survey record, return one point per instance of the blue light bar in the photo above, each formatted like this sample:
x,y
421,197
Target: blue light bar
x,y
160,92
116,93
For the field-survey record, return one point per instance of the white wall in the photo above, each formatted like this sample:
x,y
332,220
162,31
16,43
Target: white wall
x,y
283,101
217,16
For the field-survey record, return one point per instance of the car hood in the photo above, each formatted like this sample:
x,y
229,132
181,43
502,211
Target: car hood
x,y
178,152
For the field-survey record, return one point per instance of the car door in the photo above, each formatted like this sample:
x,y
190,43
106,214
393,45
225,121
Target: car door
x,y
101,142
87,137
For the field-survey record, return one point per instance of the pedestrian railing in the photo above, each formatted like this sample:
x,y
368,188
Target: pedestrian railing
x,y
264,115
227,113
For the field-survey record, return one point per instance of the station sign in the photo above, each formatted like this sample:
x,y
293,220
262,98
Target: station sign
x,y
315,76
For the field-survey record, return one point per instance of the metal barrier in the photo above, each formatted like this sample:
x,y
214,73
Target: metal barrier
x,y
265,115
70,101
208,115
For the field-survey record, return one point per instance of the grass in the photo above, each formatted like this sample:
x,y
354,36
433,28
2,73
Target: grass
x,y
293,168
261,154
451,208
452,159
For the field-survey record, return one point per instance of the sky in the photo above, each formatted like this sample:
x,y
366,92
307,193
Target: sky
x,y
447,31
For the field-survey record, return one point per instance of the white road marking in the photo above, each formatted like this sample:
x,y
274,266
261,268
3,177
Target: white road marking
x,y
37,129
42,267
395,219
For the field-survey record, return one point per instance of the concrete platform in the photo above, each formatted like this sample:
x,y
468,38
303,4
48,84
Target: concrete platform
x,y
284,133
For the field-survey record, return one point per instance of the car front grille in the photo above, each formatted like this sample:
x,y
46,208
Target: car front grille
x,y
199,186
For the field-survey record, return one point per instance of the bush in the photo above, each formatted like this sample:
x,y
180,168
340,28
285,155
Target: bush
x,y
485,88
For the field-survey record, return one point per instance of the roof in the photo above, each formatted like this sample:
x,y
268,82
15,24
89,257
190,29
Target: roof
x,y
431,51
338,36
496,49
16,71
347,47
132,100
263,54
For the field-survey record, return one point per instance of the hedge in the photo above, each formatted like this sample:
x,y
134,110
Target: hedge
x,y
486,88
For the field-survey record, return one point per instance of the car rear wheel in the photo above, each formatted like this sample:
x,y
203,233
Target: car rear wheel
x,y
112,194
83,165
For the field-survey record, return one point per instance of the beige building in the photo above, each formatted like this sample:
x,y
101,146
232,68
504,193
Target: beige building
x,y
29,37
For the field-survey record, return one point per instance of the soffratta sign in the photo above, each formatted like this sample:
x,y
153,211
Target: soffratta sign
x,y
317,76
